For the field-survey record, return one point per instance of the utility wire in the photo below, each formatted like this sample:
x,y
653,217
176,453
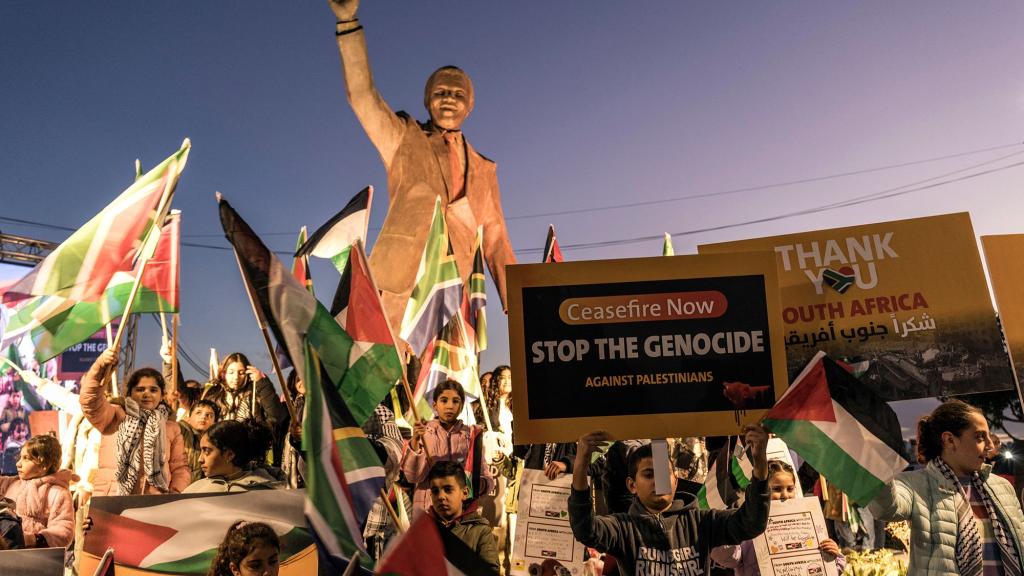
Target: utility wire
x,y
882,195
755,188
761,186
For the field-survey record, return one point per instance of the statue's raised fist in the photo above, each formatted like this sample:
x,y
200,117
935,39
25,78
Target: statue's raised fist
x,y
344,9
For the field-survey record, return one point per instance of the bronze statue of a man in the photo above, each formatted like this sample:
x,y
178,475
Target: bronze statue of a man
x,y
423,161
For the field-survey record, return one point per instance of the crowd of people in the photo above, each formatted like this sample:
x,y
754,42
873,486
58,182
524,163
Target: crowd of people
x,y
461,469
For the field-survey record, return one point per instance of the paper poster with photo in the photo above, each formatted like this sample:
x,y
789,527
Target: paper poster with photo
x,y
790,543
543,538
903,304
645,347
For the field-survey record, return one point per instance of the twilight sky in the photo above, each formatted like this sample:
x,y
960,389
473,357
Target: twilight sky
x,y
583,105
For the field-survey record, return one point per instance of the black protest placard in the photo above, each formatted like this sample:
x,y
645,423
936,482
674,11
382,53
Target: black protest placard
x,y
644,348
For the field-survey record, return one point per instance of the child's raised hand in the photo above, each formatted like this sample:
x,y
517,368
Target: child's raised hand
x,y
589,443
165,352
756,437
107,358
419,428
829,546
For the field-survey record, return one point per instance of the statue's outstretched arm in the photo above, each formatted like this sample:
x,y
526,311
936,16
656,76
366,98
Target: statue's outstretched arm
x,y
377,118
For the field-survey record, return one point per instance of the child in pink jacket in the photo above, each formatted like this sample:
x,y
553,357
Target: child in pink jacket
x,y
446,438
41,494
142,427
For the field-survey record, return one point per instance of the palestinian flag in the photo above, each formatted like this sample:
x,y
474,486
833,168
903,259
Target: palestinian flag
x,y
300,269
552,253
450,356
334,239
740,467
300,263
666,248
179,533
476,308
56,323
426,550
3,318
374,362
841,428
855,367
344,474
437,293
720,490
81,268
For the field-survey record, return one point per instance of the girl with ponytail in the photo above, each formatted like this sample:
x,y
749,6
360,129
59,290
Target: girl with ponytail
x,y
233,456
963,519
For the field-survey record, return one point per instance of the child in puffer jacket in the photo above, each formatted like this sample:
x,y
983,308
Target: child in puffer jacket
x,y
40,492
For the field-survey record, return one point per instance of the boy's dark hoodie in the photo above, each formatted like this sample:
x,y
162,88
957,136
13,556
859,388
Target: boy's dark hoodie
x,y
675,542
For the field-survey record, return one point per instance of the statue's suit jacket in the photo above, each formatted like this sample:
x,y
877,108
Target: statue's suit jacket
x,y
419,173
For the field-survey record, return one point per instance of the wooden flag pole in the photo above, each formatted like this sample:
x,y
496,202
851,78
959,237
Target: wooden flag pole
x,y
175,325
163,329
391,511
113,373
353,564
289,402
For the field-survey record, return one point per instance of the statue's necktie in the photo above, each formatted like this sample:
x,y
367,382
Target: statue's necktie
x,y
452,141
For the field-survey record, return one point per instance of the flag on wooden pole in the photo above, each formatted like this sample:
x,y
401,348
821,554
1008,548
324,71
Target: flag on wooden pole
x,y
437,293
839,426
552,252
54,323
476,313
334,239
666,248
81,268
344,475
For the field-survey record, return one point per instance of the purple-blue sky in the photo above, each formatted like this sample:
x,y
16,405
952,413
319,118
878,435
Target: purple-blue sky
x,y
582,104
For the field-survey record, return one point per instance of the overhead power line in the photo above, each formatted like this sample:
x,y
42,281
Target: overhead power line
x,y
760,187
875,196
755,188
580,246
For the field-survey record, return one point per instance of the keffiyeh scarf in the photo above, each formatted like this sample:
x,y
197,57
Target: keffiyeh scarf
x,y
968,540
140,447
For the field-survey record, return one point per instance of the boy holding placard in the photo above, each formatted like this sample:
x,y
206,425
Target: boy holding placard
x,y
658,535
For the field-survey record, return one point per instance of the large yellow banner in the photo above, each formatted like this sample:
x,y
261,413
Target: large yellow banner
x,y
1004,256
904,303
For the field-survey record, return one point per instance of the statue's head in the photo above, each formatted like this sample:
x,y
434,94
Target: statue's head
x,y
448,97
